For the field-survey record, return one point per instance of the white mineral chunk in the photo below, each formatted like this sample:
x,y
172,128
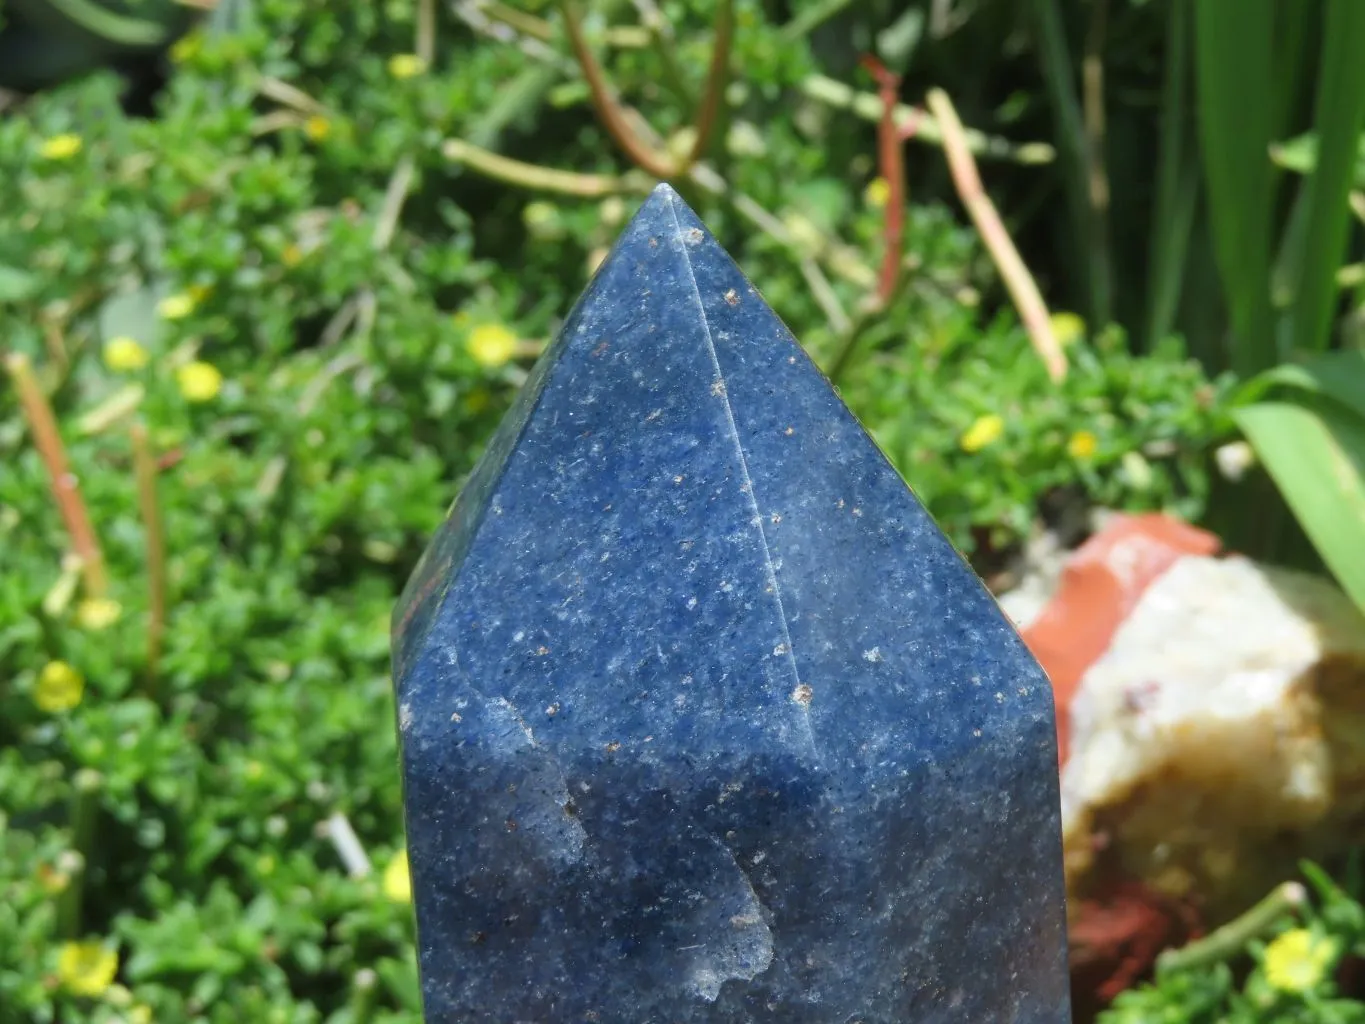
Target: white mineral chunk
x,y
1221,736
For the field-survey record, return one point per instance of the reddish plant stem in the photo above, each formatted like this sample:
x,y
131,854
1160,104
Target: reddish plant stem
x,y
65,487
892,165
613,117
716,77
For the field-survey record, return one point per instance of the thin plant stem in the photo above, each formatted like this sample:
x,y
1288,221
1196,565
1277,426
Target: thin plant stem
x,y
290,95
1097,173
1022,288
144,467
661,33
811,18
519,96
533,176
86,786
364,995
866,316
614,117
716,77
425,44
527,24
1176,182
1229,941
56,344
395,194
843,260
70,867
892,166
65,487
824,296
868,107
608,109
348,845
1059,76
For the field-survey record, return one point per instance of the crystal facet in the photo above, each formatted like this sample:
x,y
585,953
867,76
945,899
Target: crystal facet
x,y
702,718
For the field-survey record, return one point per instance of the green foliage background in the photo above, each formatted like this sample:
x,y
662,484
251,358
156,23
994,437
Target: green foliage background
x,y
338,297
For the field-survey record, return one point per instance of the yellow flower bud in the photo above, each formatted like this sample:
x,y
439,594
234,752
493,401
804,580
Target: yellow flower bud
x,y
397,880
60,688
176,307
124,354
1082,445
60,147
878,193
986,430
96,613
406,65
492,345
199,381
86,968
1067,328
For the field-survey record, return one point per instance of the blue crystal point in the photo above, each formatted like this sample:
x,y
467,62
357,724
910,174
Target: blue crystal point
x,y
702,718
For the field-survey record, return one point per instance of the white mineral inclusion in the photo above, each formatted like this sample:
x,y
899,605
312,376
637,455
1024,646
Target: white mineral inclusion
x,y
741,951
546,790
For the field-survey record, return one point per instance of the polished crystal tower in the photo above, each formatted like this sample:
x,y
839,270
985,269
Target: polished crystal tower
x,y
702,718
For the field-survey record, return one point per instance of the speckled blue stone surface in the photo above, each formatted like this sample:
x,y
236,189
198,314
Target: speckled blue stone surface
x,y
702,718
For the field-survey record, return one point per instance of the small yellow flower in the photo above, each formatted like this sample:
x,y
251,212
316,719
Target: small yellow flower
x,y
187,47
397,880
291,255
1082,444
176,307
317,127
140,1014
86,968
492,345
96,613
878,193
59,688
1067,328
406,65
60,147
1297,961
199,381
123,354
984,431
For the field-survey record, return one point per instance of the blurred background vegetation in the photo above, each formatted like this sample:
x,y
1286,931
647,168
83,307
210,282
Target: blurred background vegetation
x,y
271,270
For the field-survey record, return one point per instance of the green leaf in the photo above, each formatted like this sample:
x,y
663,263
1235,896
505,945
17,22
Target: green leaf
x,y
1235,72
1339,113
17,285
1177,183
1337,375
1314,449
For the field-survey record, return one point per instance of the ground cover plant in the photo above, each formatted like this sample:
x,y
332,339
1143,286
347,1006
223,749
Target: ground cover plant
x,y
256,334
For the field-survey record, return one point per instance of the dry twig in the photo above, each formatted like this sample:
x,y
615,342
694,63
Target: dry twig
x,y
1022,288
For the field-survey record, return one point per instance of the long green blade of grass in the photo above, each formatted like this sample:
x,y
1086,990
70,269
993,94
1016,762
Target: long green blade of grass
x,y
1092,250
1177,183
1340,108
1314,449
1234,71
